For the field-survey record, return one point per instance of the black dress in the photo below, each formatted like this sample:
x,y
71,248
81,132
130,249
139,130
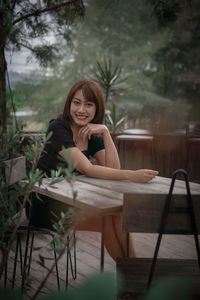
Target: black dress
x,y
44,209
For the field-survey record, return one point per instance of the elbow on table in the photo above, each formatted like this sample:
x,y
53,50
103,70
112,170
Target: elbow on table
x,y
87,171
94,171
115,165
84,169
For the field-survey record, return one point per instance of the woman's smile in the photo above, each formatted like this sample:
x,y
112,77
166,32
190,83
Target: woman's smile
x,y
81,117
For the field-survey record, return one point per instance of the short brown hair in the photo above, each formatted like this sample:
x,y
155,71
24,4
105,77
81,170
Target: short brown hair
x,y
92,92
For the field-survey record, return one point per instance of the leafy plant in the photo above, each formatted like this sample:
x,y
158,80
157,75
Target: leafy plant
x,y
14,197
110,77
114,121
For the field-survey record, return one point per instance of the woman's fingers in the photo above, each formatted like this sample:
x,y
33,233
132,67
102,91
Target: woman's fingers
x,y
84,133
150,174
144,175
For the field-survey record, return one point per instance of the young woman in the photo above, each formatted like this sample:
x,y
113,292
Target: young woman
x,y
80,129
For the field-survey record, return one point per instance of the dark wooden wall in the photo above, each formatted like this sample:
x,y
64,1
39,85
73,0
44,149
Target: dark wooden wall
x,y
165,153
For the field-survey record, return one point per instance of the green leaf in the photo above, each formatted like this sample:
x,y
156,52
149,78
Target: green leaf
x,y
120,122
110,120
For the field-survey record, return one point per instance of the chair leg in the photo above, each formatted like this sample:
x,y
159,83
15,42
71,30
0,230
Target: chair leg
x,y
30,255
56,263
25,257
6,267
67,265
127,244
21,256
69,260
5,274
15,262
74,275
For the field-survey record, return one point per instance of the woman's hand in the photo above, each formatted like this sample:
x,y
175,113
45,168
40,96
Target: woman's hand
x,y
142,175
86,132
91,129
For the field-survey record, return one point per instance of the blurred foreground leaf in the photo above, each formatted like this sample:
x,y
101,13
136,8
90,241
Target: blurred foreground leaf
x,y
99,287
8,294
172,288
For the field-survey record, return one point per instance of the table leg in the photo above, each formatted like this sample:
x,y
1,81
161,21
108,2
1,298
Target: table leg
x,y
127,244
102,243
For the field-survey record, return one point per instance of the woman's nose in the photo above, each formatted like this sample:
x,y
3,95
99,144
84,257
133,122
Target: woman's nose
x,y
82,108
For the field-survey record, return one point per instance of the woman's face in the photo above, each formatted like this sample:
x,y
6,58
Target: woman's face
x,y
82,111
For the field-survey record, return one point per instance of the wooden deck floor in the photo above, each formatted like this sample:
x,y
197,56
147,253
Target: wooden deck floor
x,y
88,257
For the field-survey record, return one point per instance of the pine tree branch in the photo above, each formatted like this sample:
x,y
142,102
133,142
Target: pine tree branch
x,y
26,46
41,11
13,5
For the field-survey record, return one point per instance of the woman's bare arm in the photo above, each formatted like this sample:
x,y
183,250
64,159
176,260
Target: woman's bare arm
x,y
108,157
83,165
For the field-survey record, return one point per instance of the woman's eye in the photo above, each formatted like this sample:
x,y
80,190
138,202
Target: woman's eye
x,y
89,104
76,102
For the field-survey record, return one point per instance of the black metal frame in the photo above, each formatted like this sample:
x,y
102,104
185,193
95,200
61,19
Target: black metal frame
x,y
168,209
25,264
26,268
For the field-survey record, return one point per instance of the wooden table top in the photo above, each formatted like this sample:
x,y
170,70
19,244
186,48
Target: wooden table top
x,y
91,198
106,196
159,186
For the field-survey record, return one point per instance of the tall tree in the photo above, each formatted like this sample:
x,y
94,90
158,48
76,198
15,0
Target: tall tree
x,y
22,22
178,61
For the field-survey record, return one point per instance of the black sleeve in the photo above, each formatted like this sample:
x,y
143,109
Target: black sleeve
x,y
95,144
61,136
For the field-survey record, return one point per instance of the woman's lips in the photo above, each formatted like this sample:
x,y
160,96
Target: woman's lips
x,y
81,117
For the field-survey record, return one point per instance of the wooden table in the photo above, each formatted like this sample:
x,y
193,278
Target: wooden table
x,y
105,197
142,210
91,200
143,202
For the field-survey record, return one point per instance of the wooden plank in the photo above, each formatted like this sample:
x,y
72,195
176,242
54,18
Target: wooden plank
x,y
159,185
88,253
135,274
137,131
143,213
90,198
135,137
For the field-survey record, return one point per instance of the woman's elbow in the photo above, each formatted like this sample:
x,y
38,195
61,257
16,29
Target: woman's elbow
x,y
115,165
85,170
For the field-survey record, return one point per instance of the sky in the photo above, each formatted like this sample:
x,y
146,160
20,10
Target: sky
x,y
17,62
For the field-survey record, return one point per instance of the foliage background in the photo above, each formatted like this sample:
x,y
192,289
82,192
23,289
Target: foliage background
x,y
156,48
